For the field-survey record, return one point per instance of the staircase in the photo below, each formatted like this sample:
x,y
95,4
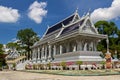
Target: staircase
x,y
21,65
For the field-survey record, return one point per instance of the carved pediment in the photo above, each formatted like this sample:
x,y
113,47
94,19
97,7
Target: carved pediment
x,y
88,27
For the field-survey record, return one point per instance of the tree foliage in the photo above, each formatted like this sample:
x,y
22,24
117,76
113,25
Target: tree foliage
x,y
105,27
63,64
1,50
110,29
27,37
12,46
79,63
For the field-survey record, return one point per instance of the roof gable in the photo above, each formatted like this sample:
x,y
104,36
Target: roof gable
x,y
88,26
14,54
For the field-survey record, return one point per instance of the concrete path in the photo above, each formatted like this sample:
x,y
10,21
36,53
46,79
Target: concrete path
x,y
15,75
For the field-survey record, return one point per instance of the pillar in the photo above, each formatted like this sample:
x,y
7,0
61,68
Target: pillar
x,y
34,54
30,55
38,53
95,46
67,47
54,50
74,49
49,51
45,52
60,49
79,45
42,52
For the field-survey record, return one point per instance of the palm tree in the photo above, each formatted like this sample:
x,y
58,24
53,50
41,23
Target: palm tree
x,y
79,63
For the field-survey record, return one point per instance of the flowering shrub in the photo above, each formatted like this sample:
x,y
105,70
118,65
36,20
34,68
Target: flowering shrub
x,y
70,63
63,64
94,64
56,64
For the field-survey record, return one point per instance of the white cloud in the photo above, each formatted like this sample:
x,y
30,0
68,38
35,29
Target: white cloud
x,y
8,15
112,12
37,11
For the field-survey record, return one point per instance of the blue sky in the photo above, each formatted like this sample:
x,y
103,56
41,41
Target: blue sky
x,y
54,11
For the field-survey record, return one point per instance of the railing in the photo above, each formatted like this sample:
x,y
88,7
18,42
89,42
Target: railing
x,y
79,53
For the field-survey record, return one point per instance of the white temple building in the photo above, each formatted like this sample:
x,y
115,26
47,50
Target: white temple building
x,y
73,39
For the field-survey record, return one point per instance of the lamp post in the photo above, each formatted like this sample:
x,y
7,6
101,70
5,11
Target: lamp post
x,y
108,56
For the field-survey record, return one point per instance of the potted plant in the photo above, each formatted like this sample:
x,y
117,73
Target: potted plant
x,y
79,63
49,65
63,64
14,66
103,64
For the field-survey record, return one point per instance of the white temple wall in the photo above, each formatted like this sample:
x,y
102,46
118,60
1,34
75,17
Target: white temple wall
x,y
48,51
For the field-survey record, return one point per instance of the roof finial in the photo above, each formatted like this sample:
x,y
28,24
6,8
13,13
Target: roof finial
x,y
48,26
88,13
76,11
84,14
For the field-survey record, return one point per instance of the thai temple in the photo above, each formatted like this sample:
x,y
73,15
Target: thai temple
x,y
72,39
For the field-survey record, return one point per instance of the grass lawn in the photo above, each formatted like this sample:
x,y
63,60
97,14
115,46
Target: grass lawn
x,y
78,72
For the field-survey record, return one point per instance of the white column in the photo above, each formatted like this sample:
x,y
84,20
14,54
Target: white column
x,y
30,55
54,50
42,52
107,41
79,45
60,49
67,47
49,51
95,45
34,53
74,48
91,45
38,53
45,52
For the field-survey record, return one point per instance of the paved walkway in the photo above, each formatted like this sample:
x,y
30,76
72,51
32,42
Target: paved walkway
x,y
15,75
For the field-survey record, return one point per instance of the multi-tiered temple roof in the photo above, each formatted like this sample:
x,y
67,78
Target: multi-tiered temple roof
x,y
71,24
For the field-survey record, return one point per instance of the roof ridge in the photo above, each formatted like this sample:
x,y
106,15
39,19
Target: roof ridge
x,y
62,20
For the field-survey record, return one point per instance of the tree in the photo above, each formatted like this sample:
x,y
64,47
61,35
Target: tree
x,y
27,37
12,45
105,27
79,63
110,29
1,50
0,66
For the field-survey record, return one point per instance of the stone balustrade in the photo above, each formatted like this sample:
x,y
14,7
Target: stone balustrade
x,y
79,53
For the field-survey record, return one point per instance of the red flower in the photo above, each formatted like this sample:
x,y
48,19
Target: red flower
x,y
69,63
